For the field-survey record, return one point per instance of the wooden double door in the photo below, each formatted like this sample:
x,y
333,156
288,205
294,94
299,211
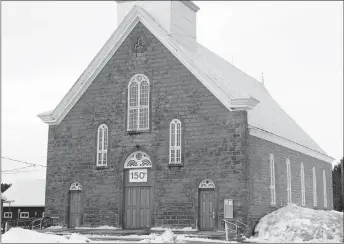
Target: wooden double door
x,y
207,210
137,207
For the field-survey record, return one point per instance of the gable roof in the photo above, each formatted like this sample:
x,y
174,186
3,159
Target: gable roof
x,y
27,193
233,88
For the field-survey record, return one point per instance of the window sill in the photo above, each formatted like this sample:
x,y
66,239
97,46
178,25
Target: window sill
x,y
137,132
175,165
102,167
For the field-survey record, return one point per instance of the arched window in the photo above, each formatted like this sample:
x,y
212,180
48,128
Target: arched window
x,y
288,181
303,192
138,159
272,179
138,103
175,142
315,200
76,186
206,184
325,189
102,145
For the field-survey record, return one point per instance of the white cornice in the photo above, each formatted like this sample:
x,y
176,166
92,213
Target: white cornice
x,y
133,17
257,132
243,103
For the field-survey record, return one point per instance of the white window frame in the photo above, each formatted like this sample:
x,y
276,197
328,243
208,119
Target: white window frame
x,y
24,213
315,200
175,142
325,188
303,190
138,79
102,147
288,181
272,179
7,215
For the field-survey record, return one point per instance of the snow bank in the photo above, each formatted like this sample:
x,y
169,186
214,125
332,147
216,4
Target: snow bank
x,y
297,224
55,227
19,235
99,227
183,229
167,237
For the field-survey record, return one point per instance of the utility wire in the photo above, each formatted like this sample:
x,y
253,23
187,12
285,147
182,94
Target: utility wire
x,y
15,160
13,170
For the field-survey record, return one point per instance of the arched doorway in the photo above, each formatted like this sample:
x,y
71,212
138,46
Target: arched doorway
x,y
206,205
75,205
137,191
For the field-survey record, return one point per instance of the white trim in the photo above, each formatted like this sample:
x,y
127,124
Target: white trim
x,y
139,106
24,217
303,190
138,159
100,60
206,184
288,181
176,147
257,132
102,130
315,197
272,180
7,215
325,188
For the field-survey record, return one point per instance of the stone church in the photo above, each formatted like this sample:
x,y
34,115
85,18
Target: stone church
x,y
159,131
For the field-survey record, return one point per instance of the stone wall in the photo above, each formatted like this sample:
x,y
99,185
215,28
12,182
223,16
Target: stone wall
x,y
213,142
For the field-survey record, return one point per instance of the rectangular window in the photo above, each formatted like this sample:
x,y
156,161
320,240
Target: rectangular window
x,y
303,193
272,180
315,200
325,189
7,215
175,142
24,215
288,181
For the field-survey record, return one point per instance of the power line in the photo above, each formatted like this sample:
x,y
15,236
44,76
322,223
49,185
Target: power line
x,y
15,160
13,170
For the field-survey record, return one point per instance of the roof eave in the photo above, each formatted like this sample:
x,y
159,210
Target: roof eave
x,y
243,103
268,136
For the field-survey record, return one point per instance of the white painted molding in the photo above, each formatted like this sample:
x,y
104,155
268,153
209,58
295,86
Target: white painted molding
x,y
257,132
129,22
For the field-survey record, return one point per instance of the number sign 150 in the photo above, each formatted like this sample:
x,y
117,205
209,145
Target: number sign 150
x,y
138,175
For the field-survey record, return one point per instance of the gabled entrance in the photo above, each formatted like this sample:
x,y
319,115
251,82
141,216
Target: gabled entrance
x,y
137,191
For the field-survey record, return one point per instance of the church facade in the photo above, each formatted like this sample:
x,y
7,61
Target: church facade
x,y
154,133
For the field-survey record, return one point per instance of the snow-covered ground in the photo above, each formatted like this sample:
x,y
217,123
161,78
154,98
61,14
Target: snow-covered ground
x,y
298,224
183,229
18,235
285,225
99,227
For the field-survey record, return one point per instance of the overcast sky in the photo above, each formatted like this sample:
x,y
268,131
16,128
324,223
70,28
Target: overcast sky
x,y
47,45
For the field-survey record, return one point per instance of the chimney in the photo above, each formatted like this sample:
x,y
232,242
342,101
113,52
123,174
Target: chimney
x,y
178,18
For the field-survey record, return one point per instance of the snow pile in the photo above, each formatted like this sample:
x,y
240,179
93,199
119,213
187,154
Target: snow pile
x,y
19,235
167,237
55,227
297,224
183,229
76,238
99,227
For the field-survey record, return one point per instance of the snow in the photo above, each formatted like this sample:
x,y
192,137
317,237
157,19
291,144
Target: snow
x,y
99,227
183,229
19,235
55,227
298,224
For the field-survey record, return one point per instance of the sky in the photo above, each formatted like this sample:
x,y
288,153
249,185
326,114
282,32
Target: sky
x,y
45,46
